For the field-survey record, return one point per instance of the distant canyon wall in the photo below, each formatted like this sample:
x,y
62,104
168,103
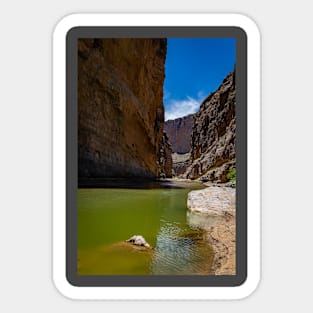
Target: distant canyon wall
x,y
120,108
179,133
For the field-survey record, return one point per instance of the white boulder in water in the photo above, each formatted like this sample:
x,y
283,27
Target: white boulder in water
x,y
138,241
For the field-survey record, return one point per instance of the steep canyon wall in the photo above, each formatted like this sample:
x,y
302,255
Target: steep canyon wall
x,y
120,108
214,135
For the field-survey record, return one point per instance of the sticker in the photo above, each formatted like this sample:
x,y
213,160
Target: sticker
x,y
156,156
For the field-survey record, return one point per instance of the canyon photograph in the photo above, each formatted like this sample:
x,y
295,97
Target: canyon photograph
x,y
156,156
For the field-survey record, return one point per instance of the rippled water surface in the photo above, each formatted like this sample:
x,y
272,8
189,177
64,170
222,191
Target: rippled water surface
x,y
109,216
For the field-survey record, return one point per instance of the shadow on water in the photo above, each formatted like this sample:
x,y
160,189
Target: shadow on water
x,y
136,183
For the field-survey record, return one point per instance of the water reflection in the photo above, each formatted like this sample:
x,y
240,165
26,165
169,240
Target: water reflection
x,y
202,221
182,251
108,216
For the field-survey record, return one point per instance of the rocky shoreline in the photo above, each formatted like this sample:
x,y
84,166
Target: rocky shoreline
x,y
214,210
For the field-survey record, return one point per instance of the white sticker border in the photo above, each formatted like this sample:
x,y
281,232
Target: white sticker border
x,y
59,156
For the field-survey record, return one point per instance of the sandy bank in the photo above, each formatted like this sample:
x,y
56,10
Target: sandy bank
x,y
213,209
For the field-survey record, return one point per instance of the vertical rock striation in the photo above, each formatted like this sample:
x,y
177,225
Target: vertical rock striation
x,y
213,135
179,133
165,158
120,107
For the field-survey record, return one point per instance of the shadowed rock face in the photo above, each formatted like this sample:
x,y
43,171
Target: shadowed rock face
x,y
179,133
165,157
120,107
213,135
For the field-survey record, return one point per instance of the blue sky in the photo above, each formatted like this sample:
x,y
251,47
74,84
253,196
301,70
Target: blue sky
x,y
194,68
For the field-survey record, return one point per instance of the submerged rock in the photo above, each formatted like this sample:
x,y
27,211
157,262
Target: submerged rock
x,y
138,241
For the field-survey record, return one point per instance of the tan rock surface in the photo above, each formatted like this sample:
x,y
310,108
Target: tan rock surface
x,y
120,107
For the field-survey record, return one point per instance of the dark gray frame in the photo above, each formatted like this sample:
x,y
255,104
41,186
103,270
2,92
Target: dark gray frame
x,y
72,149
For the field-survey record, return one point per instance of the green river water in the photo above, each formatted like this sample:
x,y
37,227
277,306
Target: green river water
x,y
158,212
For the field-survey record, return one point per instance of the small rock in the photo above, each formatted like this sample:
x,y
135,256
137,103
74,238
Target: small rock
x,y
138,241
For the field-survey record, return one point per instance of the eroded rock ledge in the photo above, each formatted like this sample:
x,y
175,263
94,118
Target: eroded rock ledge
x,y
212,201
